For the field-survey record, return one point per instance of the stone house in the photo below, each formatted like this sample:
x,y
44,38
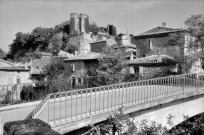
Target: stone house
x,y
38,65
12,76
77,66
156,42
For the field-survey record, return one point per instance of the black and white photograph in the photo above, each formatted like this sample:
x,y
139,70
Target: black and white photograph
x,y
101,67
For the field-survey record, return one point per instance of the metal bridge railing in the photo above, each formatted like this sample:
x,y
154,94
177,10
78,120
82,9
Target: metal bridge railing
x,y
69,106
26,92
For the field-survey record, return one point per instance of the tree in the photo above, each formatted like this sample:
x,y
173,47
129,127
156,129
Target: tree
x,y
54,69
190,39
53,73
93,28
2,53
195,28
112,61
41,37
19,46
55,44
71,48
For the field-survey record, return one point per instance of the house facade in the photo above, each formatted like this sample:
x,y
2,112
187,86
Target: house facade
x,y
76,67
11,77
156,42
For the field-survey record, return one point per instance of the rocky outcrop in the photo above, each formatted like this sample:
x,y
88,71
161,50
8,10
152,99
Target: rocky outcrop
x,y
28,127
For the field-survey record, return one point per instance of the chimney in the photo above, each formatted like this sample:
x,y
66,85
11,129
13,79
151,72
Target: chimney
x,y
163,24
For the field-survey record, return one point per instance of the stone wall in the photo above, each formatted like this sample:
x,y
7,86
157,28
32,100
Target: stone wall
x,y
159,46
82,42
98,46
152,72
79,23
80,69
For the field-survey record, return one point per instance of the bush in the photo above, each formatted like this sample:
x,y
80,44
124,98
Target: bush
x,y
8,98
118,124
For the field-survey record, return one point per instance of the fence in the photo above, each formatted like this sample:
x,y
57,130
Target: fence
x,y
69,106
26,92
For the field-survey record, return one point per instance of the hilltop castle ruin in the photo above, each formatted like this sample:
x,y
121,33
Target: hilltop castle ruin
x,y
79,23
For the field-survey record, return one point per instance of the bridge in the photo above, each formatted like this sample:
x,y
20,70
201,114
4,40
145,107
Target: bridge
x,y
71,110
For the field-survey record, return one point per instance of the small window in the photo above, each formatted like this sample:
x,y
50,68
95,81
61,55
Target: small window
x,y
134,55
73,67
73,81
150,44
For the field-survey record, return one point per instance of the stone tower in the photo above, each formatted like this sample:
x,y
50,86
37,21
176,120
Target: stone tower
x,y
79,23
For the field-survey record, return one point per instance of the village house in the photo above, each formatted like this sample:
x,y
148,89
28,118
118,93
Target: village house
x,y
161,57
77,66
12,76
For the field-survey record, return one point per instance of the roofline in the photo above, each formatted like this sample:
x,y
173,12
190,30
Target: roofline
x,y
126,47
99,41
6,69
85,59
158,33
7,62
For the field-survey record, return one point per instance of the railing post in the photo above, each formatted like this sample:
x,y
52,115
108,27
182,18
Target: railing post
x,y
91,103
184,84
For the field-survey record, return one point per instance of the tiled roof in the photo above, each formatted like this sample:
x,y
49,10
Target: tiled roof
x,y
85,56
151,60
13,68
159,30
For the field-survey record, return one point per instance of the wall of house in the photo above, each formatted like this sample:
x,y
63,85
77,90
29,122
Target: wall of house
x,y
10,78
80,69
196,67
159,46
151,72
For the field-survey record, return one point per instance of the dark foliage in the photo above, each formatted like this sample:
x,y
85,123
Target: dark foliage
x,y
112,61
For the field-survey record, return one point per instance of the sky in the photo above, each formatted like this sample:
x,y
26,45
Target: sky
x,y
129,16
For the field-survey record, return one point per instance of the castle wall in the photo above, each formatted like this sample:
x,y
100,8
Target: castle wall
x,y
79,23
82,42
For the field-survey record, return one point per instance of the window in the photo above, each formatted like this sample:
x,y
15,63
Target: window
x,y
79,80
73,67
73,81
134,55
150,44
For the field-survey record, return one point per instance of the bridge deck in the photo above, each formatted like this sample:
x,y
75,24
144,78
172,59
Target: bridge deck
x,y
66,109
